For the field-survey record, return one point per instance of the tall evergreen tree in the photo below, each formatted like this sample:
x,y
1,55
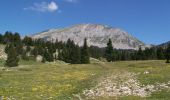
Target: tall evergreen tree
x,y
64,55
148,53
19,48
8,37
85,57
160,53
140,54
1,38
27,41
34,52
153,53
75,55
60,54
109,51
168,54
70,53
48,56
96,52
16,38
12,57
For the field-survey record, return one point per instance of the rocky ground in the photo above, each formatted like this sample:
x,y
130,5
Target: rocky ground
x,y
123,84
2,53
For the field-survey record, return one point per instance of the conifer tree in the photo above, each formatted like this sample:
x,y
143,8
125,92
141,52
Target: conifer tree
x,y
48,56
64,55
1,38
75,55
35,51
16,39
160,53
44,57
27,41
8,37
85,57
140,55
12,57
147,53
109,51
40,50
60,54
19,48
168,54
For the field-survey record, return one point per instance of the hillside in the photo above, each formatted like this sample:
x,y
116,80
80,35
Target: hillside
x,y
97,35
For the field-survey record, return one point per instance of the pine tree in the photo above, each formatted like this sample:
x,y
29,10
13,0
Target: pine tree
x,y
64,55
168,54
160,53
12,57
153,52
147,53
34,52
27,41
40,50
1,38
114,54
48,56
51,51
95,52
16,38
8,37
85,58
75,57
19,48
44,58
140,55
60,54
109,51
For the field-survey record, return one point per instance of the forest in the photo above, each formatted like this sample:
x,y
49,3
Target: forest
x,y
26,48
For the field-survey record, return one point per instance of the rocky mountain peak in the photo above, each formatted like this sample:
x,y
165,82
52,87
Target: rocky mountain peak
x,y
96,34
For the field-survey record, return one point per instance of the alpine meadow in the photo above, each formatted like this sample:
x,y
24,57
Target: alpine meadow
x,y
85,50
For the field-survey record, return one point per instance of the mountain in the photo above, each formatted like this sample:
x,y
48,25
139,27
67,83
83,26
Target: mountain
x,y
97,35
164,45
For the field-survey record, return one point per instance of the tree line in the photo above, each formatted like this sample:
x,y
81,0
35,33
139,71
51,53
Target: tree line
x,y
28,49
153,53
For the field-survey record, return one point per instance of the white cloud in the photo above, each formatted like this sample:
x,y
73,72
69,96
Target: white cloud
x,y
43,7
71,1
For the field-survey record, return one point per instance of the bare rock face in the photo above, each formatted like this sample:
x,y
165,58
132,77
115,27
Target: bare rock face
x,y
97,35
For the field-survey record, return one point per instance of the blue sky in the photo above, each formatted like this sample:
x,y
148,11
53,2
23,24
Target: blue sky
x,y
147,20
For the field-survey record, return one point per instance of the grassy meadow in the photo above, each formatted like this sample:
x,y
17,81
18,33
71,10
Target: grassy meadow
x,y
60,81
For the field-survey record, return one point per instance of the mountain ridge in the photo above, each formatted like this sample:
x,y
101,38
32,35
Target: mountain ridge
x,y
96,34
164,45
